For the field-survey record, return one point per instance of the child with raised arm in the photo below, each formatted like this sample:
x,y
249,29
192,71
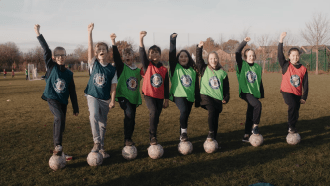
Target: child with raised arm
x,y
128,89
59,86
214,88
250,87
185,84
155,85
100,90
294,82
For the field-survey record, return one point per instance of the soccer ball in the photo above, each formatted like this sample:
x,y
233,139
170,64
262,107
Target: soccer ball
x,y
57,162
210,146
94,159
155,151
129,152
256,140
185,147
293,139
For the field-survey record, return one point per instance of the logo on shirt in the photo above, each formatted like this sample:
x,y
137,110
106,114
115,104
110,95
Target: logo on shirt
x,y
132,83
214,82
59,85
99,80
186,80
295,80
156,80
251,76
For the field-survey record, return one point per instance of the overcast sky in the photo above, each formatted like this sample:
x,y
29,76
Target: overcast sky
x,y
64,22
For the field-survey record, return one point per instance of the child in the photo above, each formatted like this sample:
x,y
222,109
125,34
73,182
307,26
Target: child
x,y
155,85
59,86
294,80
26,74
250,87
100,90
128,89
4,73
214,88
12,73
185,84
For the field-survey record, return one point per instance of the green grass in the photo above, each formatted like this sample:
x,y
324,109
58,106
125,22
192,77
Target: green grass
x,y
26,139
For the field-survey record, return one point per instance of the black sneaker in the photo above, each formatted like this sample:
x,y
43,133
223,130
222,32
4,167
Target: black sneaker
x,y
184,137
292,130
246,139
210,137
129,142
255,130
153,141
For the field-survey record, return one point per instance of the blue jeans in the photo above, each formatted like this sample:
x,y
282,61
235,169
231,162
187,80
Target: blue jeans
x,y
59,112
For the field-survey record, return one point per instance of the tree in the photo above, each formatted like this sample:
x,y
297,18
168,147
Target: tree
x,y
316,33
9,54
265,49
81,53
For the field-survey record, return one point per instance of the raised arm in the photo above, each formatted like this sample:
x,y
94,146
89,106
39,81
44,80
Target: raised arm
x,y
199,58
281,58
90,43
116,55
47,52
238,53
172,53
142,52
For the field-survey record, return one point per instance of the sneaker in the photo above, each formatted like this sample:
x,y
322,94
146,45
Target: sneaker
x,y
153,141
129,142
58,150
210,137
97,147
246,138
292,130
104,154
255,130
184,137
67,157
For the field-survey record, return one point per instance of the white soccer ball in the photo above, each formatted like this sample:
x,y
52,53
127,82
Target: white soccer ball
x,y
185,147
155,151
293,139
129,152
210,146
256,140
94,159
57,162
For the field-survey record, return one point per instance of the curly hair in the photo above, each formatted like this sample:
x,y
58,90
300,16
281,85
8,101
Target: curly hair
x,y
191,62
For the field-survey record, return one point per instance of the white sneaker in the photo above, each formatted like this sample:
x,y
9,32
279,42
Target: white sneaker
x,y
67,157
104,154
58,150
96,147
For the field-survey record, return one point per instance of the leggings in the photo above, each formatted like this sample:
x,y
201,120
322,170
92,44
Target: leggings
x,y
155,107
253,112
185,108
214,108
129,120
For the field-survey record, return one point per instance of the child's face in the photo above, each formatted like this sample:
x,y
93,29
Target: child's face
x,y
60,57
294,57
128,59
213,60
250,57
101,52
183,59
154,55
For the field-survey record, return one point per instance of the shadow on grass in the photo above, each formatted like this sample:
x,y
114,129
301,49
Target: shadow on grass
x,y
312,133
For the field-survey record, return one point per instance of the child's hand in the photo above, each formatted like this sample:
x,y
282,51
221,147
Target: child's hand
x,y
302,101
224,102
247,39
200,45
174,35
112,105
143,34
90,27
165,105
36,29
282,37
113,38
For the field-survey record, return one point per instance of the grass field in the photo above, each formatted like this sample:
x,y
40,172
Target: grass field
x,y
26,139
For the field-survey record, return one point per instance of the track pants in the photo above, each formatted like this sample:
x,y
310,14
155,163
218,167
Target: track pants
x,y
59,112
293,102
155,107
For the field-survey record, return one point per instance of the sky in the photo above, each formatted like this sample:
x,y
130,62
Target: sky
x,y
64,22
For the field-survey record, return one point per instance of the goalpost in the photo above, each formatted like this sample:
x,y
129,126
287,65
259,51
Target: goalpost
x,y
32,73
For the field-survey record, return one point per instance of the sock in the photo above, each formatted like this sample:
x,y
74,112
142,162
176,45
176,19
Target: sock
x,y
183,130
255,125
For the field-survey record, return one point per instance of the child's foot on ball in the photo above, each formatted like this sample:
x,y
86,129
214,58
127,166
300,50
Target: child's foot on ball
x,y
129,142
96,148
210,137
184,137
58,150
292,130
246,138
104,154
255,129
153,141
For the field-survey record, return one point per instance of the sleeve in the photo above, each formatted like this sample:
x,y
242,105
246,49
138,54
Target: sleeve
x,y
305,86
91,65
118,62
238,55
226,93
143,58
281,58
166,87
197,92
47,52
262,92
73,97
172,55
200,64
114,79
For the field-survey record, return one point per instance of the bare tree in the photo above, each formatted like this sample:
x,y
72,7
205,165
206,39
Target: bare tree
x,y
245,33
316,33
265,49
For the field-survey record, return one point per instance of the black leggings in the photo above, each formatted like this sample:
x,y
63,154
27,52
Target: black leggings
x,y
214,110
129,120
293,102
253,112
155,107
185,108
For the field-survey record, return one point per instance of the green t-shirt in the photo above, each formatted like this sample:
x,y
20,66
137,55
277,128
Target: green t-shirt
x,y
249,79
183,83
212,83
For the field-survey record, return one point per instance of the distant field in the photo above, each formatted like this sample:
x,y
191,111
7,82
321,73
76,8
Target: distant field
x,y
26,139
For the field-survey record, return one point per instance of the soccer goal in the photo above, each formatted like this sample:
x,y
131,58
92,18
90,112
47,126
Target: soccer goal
x,y
32,73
